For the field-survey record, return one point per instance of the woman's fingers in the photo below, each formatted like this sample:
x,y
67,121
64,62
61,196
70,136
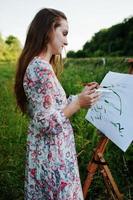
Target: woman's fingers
x,y
88,98
93,86
93,98
94,94
89,92
91,83
90,86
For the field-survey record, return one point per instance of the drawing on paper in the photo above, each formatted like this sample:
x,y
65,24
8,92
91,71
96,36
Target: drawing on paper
x,y
100,111
112,113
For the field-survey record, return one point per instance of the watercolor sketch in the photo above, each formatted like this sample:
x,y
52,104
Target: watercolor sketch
x,y
113,113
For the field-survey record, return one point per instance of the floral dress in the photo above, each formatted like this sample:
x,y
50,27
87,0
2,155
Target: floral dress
x,y
51,164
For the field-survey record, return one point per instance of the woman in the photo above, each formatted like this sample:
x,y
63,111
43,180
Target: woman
x,y
51,163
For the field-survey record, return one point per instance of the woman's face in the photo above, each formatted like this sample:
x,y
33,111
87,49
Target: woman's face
x,y
59,38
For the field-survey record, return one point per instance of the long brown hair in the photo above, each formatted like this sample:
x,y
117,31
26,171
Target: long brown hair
x,y
38,36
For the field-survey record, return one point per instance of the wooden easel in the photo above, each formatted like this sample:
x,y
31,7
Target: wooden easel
x,y
98,162
130,61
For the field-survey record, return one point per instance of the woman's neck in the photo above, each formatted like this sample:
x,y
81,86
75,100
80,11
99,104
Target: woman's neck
x,y
45,56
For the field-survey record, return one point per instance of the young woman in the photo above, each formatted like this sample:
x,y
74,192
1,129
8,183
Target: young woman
x,y
51,163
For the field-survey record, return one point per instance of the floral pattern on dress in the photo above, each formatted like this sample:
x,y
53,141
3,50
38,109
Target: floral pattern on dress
x,y
51,164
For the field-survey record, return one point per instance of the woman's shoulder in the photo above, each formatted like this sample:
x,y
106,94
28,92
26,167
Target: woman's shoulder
x,y
39,62
38,67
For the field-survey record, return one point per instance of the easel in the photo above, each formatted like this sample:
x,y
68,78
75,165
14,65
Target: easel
x,y
98,162
130,61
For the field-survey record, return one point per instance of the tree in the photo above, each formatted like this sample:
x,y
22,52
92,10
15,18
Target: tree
x,y
2,48
13,46
80,54
71,54
116,40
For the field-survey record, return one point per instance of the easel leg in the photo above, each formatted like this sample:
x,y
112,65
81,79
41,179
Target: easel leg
x,y
92,166
99,162
109,180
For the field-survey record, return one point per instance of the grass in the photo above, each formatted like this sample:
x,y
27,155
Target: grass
x,y
13,128
12,142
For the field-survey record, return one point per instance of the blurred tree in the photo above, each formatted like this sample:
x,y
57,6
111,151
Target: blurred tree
x,y
13,47
114,41
80,54
2,48
71,54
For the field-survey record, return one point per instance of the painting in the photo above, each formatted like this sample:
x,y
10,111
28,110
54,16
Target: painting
x,y
113,112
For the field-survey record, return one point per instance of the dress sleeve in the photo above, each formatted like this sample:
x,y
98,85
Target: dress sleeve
x,y
48,117
71,98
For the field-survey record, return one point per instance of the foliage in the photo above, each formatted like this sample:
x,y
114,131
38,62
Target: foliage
x,y
78,54
13,128
10,48
12,138
78,71
114,41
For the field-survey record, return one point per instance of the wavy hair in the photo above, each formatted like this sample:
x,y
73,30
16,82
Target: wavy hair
x,y
38,37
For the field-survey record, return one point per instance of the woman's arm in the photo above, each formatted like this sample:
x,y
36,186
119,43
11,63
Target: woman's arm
x,y
72,107
85,99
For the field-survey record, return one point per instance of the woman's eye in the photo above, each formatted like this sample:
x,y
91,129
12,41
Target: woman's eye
x,y
65,33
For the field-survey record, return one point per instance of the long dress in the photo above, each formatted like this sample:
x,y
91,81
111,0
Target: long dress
x,y
51,164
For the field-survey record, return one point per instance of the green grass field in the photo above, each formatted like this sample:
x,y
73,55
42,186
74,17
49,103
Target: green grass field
x,y
13,127
12,138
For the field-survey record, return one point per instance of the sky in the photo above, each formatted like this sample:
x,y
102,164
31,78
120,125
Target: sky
x,y
85,17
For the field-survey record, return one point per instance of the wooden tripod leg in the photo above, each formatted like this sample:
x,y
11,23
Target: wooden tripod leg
x,y
109,180
93,165
91,169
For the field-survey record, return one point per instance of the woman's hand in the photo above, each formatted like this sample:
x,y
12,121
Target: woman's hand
x,y
88,97
91,85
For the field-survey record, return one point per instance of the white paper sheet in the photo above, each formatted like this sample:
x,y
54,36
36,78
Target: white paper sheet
x,y
113,113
